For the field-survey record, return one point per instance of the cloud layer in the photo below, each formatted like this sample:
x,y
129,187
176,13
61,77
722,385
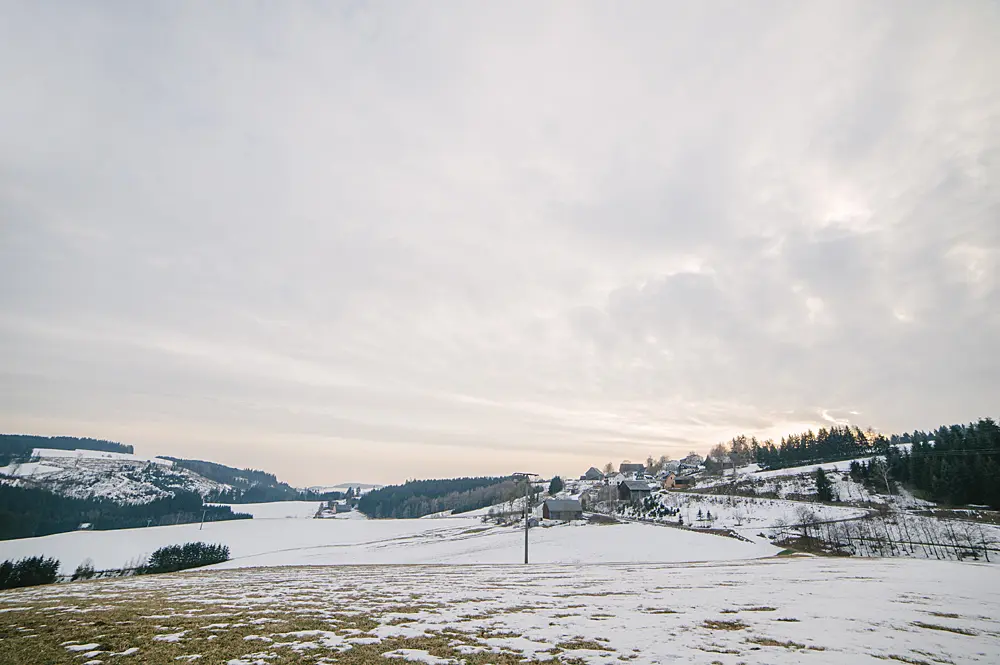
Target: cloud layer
x,y
388,241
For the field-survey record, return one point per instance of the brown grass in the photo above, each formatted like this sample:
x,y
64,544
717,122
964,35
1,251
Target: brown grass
x,y
768,642
947,629
40,633
735,624
576,644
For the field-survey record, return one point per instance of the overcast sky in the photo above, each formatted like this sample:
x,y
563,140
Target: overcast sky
x,y
375,241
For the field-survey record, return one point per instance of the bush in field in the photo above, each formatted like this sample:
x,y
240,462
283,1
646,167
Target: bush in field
x,y
30,571
180,557
84,571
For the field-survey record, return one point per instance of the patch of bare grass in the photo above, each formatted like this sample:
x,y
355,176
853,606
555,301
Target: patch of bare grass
x,y
902,659
768,642
715,624
579,643
947,629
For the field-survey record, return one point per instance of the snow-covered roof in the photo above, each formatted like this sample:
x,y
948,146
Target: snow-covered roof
x,y
564,505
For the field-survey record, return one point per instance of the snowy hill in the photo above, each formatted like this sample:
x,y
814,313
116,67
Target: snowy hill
x,y
800,483
120,477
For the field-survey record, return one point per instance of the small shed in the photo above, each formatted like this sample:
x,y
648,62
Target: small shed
x,y
633,490
562,509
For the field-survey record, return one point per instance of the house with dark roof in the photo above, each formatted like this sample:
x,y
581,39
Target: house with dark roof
x,y
562,509
593,473
633,469
684,482
633,490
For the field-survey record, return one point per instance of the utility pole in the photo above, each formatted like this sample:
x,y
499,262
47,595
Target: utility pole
x,y
527,487
203,513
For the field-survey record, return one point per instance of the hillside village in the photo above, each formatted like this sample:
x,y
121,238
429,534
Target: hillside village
x,y
783,506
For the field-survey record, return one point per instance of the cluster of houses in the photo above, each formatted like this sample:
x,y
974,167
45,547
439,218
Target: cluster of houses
x,y
634,483
679,474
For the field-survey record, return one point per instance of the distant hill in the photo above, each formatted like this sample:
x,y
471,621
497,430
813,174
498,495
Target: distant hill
x,y
111,476
13,446
417,498
115,473
249,485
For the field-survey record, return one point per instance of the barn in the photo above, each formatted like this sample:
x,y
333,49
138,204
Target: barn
x,y
633,490
562,509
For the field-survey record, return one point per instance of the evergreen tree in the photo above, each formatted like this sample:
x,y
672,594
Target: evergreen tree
x,y
824,488
556,485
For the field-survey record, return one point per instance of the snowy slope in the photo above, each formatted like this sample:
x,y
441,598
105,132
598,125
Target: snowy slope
x,y
800,483
287,542
88,474
738,512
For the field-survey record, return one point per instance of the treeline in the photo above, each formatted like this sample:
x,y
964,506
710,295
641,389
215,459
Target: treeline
x,y
417,498
249,485
956,465
826,445
27,512
18,447
29,571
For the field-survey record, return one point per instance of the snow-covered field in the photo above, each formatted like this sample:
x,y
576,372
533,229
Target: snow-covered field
x,y
777,612
285,542
57,453
276,509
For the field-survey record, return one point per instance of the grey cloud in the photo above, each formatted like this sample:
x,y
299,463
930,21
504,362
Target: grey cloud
x,y
483,237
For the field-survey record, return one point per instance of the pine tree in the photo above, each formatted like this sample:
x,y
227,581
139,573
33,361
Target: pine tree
x,y
824,488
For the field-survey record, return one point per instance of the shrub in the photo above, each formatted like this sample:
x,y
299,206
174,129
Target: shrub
x,y
30,571
180,557
84,571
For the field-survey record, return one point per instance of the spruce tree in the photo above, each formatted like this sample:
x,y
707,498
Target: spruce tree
x,y
824,488
556,485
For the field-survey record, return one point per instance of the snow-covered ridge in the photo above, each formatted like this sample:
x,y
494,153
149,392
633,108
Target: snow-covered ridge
x,y
119,477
